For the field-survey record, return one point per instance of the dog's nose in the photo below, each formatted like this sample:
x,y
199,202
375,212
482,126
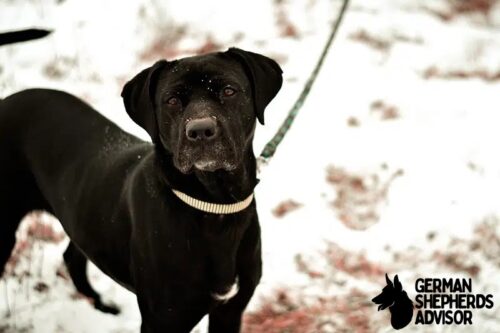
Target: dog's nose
x,y
201,129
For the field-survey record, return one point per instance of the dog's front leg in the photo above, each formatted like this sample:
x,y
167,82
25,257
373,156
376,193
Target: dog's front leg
x,y
168,301
162,317
226,317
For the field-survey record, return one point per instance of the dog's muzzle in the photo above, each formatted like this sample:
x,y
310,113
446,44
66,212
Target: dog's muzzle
x,y
202,129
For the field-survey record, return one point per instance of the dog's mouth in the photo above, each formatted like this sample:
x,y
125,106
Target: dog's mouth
x,y
212,165
208,158
206,165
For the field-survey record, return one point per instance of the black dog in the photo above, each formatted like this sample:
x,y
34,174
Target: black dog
x,y
400,305
129,206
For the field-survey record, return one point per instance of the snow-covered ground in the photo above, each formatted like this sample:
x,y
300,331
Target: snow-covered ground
x,y
392,165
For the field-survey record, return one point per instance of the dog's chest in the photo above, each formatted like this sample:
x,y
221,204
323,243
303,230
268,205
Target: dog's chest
x,y
222,236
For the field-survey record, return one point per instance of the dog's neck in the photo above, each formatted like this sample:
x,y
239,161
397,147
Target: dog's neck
x,y
230,186
220,186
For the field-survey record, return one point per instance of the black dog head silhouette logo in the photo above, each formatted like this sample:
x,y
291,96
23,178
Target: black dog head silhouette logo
x,y
400,306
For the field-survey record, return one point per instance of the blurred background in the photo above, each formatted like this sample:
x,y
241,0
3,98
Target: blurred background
x,y
392,165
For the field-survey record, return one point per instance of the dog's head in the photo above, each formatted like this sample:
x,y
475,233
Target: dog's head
x,y
389,293
203,109
395,298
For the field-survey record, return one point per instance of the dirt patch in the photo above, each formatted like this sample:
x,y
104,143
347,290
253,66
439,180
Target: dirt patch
x,y
375,42
384,110
60,67
279,313
282,313
457,8
435,73
360,197
353,122
285,25
165,45
33,229
338,259
286,207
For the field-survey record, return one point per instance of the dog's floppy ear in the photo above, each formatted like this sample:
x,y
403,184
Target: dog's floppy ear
x,y
265,77
138,97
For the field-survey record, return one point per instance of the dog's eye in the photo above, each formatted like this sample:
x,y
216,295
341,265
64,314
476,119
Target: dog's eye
x,y
228,91
173,101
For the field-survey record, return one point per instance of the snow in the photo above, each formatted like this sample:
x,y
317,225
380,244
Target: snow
x,y
444,138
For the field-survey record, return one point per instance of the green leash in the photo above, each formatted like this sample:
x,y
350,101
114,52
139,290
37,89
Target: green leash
x,y
272,145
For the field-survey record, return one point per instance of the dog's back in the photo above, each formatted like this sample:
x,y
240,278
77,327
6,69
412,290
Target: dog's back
x,y
49,139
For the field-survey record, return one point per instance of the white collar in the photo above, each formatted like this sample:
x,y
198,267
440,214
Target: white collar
x,y
214,208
